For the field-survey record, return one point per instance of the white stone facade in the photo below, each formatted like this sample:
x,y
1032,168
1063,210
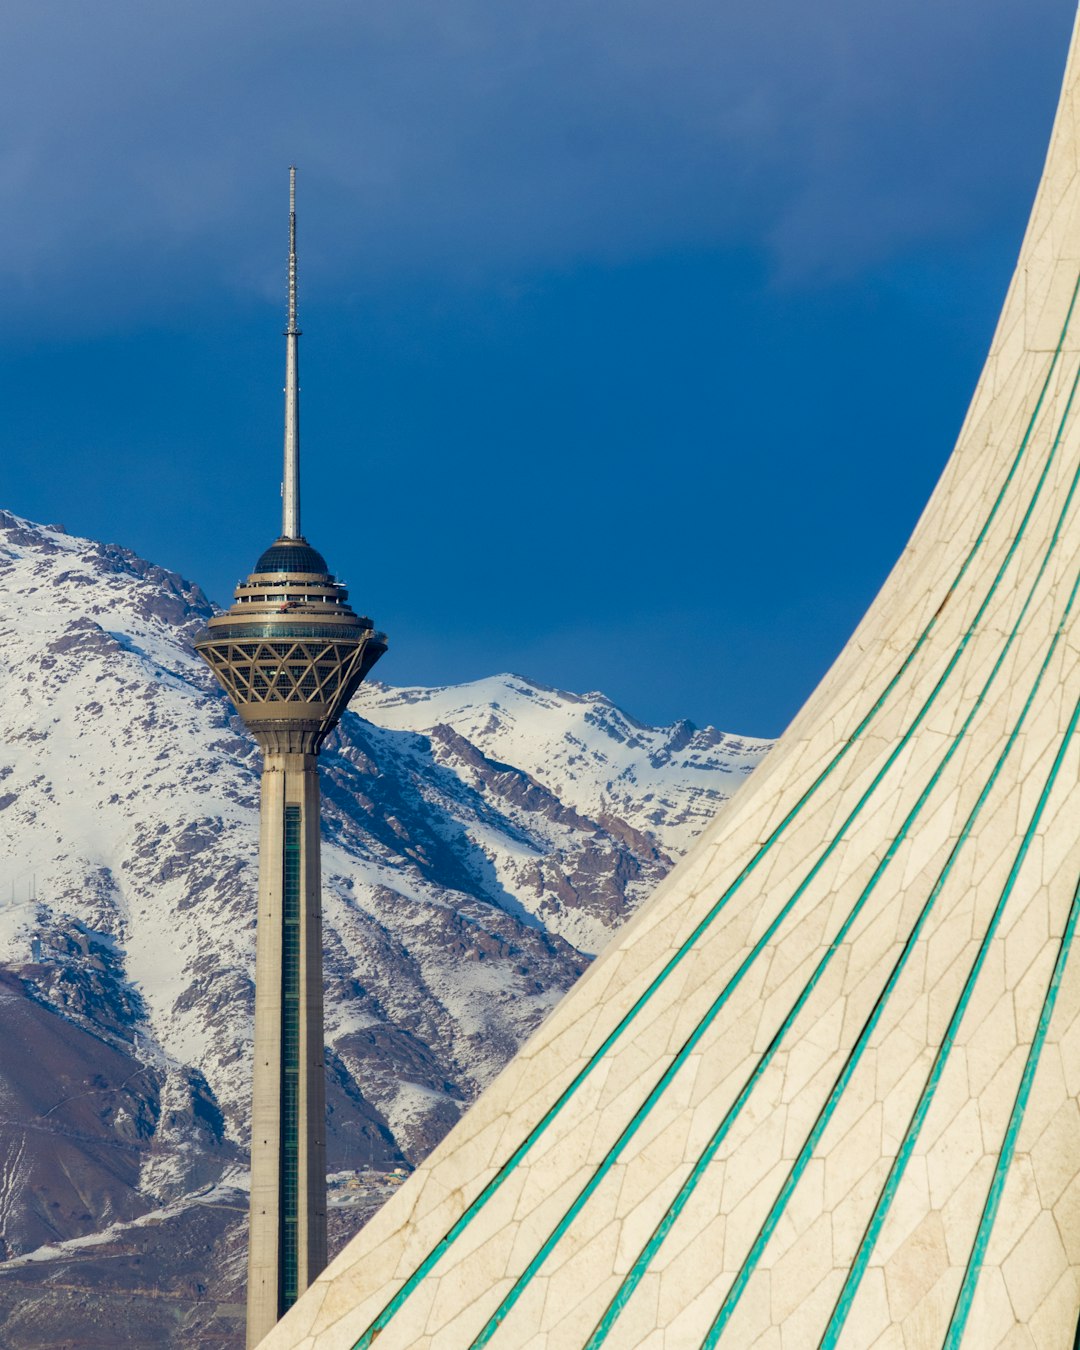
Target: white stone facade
x,y
822,1090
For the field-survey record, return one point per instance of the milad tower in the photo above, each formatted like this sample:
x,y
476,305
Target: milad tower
x,y
289,653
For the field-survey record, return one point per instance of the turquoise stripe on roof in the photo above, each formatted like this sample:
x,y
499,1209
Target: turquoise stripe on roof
x,y
690,1044
961,1311
911,1136
398,1300
827,1111
667,1222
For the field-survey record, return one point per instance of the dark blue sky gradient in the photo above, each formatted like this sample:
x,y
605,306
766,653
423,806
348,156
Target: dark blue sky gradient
x,y
628,364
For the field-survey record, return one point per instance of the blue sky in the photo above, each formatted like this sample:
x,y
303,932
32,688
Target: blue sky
x,y
636,331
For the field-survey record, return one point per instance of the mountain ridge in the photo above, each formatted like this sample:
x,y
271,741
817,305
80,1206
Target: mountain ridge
x,y
481,841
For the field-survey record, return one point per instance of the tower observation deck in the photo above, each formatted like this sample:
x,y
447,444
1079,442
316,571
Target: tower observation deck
x,y
290,653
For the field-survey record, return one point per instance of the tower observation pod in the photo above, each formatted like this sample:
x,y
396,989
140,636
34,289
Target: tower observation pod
x,y
290,653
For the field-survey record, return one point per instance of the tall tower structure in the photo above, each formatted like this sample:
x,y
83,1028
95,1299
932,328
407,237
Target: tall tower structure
x,y
289,653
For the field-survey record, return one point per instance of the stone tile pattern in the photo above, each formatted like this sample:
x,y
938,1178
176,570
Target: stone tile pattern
x,y
822,1090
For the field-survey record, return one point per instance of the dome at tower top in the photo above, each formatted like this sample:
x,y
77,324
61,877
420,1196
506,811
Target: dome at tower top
x,y
291,555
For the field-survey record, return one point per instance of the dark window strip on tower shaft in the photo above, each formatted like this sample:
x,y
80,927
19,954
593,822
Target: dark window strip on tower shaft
x,y
290,1060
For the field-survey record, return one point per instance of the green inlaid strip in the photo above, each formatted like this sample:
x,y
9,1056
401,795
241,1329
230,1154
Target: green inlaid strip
x,y
690,1044
289,1136
911,1136
1008,1148
648,1251
827,1111
410,1284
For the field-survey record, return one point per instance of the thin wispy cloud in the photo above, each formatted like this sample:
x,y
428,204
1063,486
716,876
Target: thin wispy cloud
x,y
145,145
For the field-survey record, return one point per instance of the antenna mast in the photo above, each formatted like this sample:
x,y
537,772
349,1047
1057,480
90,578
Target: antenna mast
x,y
290,487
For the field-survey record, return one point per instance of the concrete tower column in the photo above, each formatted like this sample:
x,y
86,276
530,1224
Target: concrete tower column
x,y
287,1242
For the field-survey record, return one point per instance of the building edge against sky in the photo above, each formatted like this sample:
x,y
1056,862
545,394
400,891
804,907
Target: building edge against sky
x,y
822,1089
290,653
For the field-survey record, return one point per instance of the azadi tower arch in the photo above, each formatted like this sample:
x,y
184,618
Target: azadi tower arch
x,y
822,1090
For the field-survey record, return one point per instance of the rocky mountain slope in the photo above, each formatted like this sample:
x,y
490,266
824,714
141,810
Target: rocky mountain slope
x,y
480,843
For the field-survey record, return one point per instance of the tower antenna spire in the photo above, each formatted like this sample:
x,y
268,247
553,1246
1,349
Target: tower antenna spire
x,y
290,486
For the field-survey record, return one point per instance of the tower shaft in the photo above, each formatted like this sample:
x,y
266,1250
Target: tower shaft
x,y
287,1239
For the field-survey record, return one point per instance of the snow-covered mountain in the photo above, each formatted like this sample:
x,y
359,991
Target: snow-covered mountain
x,y
665,782
480,843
